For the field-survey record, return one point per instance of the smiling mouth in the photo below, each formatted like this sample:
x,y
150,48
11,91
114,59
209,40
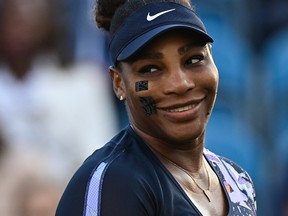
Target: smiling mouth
x,y
181,109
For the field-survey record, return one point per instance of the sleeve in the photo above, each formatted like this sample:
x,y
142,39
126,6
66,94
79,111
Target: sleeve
x,y
73,198
115,190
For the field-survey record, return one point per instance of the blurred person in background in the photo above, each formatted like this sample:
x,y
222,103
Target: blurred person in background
x,y
48,102
37,197
53,111
29,185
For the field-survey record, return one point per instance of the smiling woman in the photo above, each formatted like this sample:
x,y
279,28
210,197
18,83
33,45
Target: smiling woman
x,y
182,81
164,72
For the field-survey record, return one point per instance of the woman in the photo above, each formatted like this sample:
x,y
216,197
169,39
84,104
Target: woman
x,y
42,89
164,72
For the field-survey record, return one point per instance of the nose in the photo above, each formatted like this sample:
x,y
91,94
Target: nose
x,y
178,82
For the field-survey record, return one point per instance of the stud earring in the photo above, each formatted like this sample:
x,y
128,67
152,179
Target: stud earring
x,y
121,98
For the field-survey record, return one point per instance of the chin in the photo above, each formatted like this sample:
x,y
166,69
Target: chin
x,y
185,135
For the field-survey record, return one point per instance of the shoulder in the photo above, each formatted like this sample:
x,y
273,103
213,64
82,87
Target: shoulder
x,y
85,179
130,165
232,171
237,181
126,175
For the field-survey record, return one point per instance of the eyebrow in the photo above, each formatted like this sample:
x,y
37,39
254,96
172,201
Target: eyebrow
x,y
186,48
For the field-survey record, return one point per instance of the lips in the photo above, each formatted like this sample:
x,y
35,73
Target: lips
x,y
181,109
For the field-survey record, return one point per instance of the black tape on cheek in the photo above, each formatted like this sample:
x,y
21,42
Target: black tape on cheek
x,y
141,86
148,105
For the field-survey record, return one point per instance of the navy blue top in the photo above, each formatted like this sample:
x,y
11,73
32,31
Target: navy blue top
x,y
125,178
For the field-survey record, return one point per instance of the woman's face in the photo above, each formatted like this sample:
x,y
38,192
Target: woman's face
x,y
170,87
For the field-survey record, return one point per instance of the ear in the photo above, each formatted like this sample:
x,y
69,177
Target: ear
x,y
118,82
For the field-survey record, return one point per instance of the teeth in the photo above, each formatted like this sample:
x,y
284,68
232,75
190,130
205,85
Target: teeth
x,y
181,109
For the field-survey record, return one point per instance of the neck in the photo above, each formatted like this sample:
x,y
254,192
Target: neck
x,y
188,155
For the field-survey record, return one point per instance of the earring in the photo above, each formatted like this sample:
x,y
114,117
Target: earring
x,y
121,98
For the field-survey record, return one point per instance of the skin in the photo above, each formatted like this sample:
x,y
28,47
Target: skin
x,y
181,72
24,28
148,105
141,86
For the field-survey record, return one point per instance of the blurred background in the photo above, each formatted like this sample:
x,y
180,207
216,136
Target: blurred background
x,y
57,104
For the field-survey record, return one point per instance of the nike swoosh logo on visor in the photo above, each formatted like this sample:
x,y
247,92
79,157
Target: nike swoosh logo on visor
x,y
150,18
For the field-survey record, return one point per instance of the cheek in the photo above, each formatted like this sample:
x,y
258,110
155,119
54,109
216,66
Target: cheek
x,y
141,86
216,77
211,79
141,98
212,82
214,73
148,105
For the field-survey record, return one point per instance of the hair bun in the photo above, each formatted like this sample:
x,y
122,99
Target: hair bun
x,y
104,12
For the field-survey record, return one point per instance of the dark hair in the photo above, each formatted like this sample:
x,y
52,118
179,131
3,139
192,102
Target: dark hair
x,y
106,10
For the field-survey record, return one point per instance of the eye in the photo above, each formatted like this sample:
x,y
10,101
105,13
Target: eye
x,y
194,60
149,69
